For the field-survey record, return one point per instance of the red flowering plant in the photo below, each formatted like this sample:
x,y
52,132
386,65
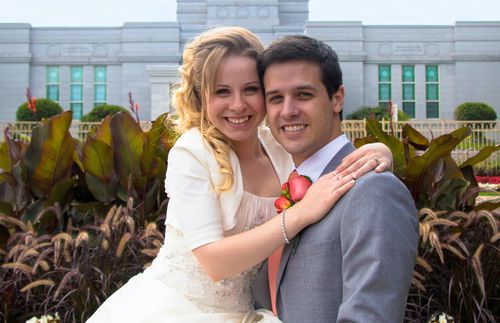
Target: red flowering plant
x,y
134,107
292,191
31,101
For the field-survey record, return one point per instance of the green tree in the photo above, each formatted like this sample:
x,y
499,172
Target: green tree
x,y
45,109
378,113
102,111
469,111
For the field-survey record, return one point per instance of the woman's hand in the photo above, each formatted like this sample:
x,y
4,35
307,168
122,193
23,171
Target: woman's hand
x,y
322,196
371,156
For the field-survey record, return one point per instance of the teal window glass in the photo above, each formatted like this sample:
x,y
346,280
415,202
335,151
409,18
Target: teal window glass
x,y
53,92
76,74
76,92
100,77
384,92
52,74
384,84
100,93
408,92
100,74
77,109
384,73
408,73
409,109
76,95
52,83
431,73
432,110
432,92
408,89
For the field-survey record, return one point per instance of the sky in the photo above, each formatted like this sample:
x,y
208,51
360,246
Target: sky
x,y
42,13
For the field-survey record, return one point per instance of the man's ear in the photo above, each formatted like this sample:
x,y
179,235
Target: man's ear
x,y
338,99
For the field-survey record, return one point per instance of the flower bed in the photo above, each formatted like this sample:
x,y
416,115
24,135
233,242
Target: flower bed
x,y
489,182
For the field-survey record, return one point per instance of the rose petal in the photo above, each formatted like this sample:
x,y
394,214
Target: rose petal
x,y
298,187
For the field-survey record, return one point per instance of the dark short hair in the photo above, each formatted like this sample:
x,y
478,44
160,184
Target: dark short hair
x,y
303,48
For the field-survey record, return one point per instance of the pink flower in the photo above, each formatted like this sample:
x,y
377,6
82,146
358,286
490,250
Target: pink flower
x,y
298,187
292,191
293,175
282,203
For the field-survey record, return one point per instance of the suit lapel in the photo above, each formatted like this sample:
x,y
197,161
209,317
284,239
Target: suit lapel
x,y
287,251
337,159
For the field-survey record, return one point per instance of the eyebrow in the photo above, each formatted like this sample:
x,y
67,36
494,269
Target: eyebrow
x,y
246,84
302,87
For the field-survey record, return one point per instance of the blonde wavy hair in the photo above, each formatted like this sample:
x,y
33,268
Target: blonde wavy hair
x,y
200,62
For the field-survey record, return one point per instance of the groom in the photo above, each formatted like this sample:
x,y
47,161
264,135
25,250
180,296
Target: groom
x,y
356,264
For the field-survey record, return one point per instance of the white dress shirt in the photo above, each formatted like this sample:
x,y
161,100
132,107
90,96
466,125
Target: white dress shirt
x,y
316,163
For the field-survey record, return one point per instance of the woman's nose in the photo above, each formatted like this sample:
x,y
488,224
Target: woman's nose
x,y
238,103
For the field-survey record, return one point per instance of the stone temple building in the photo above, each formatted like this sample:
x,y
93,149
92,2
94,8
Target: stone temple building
x,y
426,70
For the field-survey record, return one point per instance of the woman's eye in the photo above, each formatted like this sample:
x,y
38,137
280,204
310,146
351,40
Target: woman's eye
x,y
222,92
252,89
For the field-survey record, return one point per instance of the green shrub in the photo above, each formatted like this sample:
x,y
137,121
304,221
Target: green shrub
x,y
45,108
378,113
469,111
100,112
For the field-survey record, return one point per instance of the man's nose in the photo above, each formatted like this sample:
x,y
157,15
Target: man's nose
x,y
290,108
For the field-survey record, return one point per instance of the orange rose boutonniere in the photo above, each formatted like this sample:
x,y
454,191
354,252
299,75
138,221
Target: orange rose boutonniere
x,y
292,191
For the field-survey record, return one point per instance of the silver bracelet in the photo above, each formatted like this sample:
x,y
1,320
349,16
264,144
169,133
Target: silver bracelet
x,y
283,227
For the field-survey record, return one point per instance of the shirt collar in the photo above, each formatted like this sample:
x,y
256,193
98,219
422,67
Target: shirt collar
x,y
317,162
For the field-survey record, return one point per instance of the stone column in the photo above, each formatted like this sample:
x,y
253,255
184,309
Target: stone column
x,y
161,78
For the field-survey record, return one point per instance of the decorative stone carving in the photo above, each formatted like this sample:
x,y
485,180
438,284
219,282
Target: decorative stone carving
x,y
222,12
100,50
242,12
431,49
53,50
385,49
404,49
76,50
262,12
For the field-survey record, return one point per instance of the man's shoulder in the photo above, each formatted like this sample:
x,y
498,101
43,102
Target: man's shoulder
x,y
380,188
376,180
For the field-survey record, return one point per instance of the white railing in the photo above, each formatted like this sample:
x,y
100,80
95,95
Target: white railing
x,y
485,133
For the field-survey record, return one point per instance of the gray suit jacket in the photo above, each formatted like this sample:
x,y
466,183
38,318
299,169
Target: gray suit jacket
x,y
356,264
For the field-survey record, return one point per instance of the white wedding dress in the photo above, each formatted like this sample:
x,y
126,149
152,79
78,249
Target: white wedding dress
x,y
176,289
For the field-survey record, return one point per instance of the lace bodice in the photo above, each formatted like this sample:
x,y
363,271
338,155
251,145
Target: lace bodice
x,y
177,267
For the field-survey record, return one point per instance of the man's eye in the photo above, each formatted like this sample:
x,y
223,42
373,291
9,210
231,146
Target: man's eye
x,y
304,95
275,99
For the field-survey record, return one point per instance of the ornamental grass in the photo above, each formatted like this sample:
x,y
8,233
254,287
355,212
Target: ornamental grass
x,y
73,272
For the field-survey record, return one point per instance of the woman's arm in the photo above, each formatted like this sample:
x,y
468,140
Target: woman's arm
x,y
371,156
232,255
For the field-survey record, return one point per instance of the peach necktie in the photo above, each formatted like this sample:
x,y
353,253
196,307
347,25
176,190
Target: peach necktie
x,y
272,271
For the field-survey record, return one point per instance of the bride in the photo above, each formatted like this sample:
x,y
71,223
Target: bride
x,y
223,176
